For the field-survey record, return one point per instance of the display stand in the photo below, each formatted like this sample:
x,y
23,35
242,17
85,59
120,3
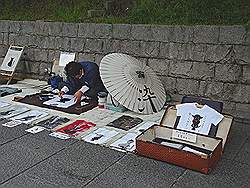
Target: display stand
x,y
10,62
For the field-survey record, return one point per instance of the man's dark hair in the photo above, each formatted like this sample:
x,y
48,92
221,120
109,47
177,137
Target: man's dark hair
x,y
73,68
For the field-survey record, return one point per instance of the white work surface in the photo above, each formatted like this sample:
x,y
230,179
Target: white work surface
x,y
98,116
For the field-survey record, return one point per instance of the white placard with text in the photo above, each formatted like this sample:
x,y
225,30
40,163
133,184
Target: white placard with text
x,y
182,135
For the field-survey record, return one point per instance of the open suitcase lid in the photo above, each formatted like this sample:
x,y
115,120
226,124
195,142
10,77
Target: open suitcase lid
x,y
169,118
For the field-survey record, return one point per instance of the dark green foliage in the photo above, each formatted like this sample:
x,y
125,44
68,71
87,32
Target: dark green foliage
x,y
49,10
191,12
188,12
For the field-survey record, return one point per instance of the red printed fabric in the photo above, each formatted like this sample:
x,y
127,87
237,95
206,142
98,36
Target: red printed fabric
x,y
76,127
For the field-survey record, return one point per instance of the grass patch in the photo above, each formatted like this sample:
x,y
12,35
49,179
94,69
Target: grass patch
x,y
187,12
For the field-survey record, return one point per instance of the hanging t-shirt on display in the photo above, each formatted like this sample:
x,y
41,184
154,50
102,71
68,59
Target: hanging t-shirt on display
x,y
196,119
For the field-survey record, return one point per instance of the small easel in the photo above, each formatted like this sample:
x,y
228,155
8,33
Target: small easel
x,y
10,62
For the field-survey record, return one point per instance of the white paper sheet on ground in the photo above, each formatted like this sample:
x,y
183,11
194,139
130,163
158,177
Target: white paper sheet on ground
x,y
84,103
100,136
12,111
143,127
3,104
55,91
186,148
11,123
32,82
53,121
56,101
59,135
173,145
35,129
65,58
126,143
29,116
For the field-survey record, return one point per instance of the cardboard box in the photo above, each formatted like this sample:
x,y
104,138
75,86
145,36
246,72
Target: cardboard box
x,y
190,150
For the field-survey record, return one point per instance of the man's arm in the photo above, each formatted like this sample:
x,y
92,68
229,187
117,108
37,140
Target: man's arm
x,y
64,90
78,95
71,85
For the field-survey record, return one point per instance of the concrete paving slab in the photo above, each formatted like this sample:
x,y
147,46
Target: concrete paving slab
x,y
26,151
76,166
243,127
137,171
228,173
236,138
7,134
23,181
244,154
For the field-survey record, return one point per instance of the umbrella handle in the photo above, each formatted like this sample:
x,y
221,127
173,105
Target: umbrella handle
x,y
112,101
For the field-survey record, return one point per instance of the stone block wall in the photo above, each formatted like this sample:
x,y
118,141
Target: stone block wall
x,y
208,61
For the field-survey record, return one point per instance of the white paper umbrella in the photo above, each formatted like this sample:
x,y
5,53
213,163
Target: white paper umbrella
x,y
132,83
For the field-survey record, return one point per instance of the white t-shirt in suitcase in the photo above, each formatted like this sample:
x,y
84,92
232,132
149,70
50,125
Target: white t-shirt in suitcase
x,y
196,119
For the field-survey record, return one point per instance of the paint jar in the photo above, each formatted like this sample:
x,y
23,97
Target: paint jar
x,y
102,98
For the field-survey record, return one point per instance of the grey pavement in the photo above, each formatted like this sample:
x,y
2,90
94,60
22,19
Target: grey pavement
x,y
38,160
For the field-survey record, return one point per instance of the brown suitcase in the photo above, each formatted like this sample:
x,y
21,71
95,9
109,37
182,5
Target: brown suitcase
x,y
202,162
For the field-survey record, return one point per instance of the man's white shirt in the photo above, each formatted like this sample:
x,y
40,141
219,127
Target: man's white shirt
x,y
83,89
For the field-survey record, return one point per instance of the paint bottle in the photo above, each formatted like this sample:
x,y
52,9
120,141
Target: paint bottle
x,y
102,99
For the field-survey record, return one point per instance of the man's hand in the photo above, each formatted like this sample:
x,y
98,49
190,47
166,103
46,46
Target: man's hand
x,y
61,93
78,95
